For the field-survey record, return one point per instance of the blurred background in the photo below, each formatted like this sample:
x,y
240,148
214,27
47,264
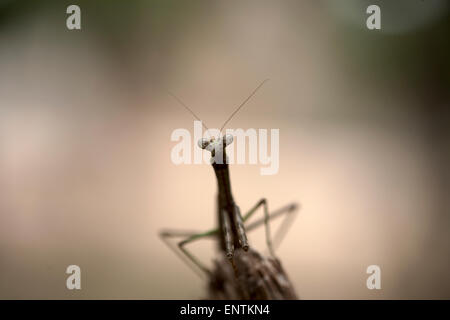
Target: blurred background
x,y
85,123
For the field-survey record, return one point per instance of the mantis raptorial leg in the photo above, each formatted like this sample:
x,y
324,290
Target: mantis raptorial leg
x,y
191,236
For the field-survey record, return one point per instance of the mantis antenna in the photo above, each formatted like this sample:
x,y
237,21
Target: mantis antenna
x,y
230,117
188,109
243,103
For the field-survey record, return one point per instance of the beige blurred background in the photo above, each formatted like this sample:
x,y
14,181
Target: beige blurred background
x,y
85,124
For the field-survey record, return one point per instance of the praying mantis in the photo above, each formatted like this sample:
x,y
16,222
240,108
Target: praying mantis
x,y
232,229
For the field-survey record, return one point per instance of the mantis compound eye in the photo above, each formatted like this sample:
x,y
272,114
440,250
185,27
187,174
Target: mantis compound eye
x,y
203,143
208,144
227,139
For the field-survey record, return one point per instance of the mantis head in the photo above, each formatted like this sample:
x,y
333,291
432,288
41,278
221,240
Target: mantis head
x,y
217,147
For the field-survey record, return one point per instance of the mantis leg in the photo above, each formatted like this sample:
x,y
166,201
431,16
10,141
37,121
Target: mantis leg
x,y
281,231
188,257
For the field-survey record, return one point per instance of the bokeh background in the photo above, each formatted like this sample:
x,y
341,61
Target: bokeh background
x,y
85,124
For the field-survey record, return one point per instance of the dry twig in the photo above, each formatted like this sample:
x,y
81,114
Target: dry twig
x,y
254,278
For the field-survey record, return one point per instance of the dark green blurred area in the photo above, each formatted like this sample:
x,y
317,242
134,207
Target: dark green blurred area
x,y
419,58
415,54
